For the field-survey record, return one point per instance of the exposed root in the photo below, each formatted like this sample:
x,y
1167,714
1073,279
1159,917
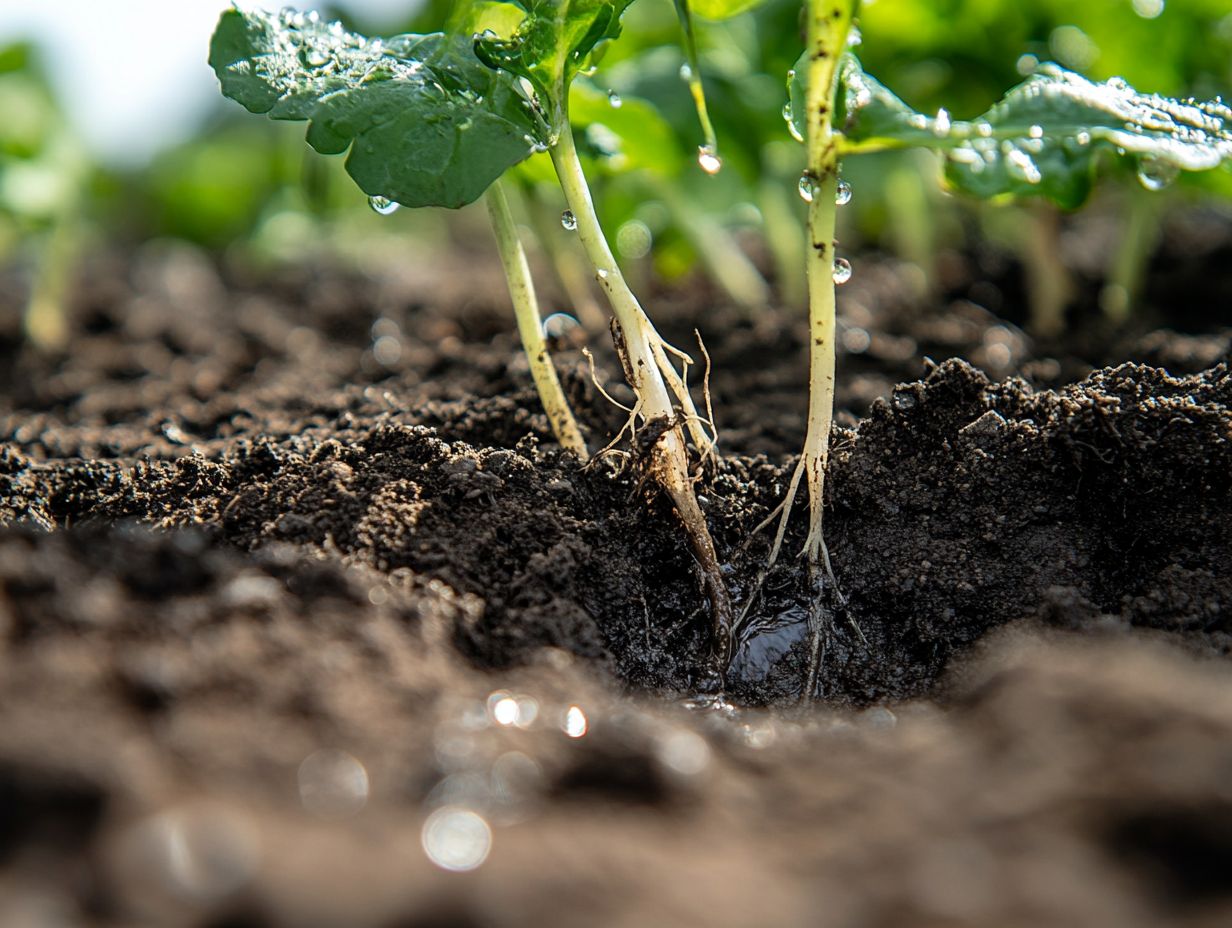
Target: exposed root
x,y
594,378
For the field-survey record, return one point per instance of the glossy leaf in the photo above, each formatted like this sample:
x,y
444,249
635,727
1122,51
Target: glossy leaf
x,y
426,122
1046,138
556,40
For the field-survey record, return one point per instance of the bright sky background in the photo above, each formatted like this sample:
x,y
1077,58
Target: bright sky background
x,y
133,73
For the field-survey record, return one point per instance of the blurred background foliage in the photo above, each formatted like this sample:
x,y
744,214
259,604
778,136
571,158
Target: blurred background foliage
x,y
253,191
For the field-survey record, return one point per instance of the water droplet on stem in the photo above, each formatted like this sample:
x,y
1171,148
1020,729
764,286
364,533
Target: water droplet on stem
x,y
806,187
842,196
614,99
842,270
709,159
568,220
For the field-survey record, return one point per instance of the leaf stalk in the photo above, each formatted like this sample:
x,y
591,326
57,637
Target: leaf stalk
x,y
530,325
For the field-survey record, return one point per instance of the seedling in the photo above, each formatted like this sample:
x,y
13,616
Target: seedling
x,y
1046,138
435,120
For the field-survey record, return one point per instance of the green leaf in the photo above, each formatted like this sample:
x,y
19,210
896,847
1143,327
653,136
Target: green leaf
x,y
1046,138
427,124
721,9
557,39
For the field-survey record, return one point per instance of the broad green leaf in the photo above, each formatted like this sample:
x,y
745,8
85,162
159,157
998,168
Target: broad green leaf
x,y
427,124
556,40
1046,137
721,9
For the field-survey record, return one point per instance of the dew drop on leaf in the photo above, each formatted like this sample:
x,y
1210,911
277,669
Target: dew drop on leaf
x,y
568,220
842,271
383,205
614,98
709,159
1155,175
806,187
316,58
1036,132
842,196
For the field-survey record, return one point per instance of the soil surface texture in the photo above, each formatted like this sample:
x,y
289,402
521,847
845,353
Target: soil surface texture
x,y
305,620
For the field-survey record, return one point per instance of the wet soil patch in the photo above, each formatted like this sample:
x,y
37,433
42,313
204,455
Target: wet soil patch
x,y
257,530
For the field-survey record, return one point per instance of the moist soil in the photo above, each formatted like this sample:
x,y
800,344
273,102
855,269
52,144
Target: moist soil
x,y
301,605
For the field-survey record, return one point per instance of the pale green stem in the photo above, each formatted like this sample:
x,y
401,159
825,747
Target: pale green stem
x,y
530,325
785,238
828,22
644,356
1129,262
913,227
726,264
710,144
46,317
1050,285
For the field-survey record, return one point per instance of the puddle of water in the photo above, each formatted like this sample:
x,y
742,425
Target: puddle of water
x,y
764,641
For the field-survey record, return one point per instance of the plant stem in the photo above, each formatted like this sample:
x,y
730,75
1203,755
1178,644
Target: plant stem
x,y
726,264
530,326
828,22
46,316
1129,262
659,390
1050,285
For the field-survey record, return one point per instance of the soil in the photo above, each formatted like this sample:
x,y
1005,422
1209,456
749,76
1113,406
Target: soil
x,y
298,596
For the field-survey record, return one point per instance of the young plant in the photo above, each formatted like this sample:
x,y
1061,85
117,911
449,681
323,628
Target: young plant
x,y
1047,138
435,120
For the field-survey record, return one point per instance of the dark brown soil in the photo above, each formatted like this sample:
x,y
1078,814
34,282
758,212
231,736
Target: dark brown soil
x,y
268,539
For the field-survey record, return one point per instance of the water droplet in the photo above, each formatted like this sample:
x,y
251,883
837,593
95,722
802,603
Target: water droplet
x,y
315,57
1084,138
842,196
1155,175
560,325
634,239
457,839
383,205
942,124
806,187
709,159
791,123
568,220
854,38
686,73
575,724
684,752
842,271
505,710
614,98
601,273
332,784
1036,132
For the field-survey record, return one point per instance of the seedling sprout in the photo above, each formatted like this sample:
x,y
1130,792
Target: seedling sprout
x,y
438,119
